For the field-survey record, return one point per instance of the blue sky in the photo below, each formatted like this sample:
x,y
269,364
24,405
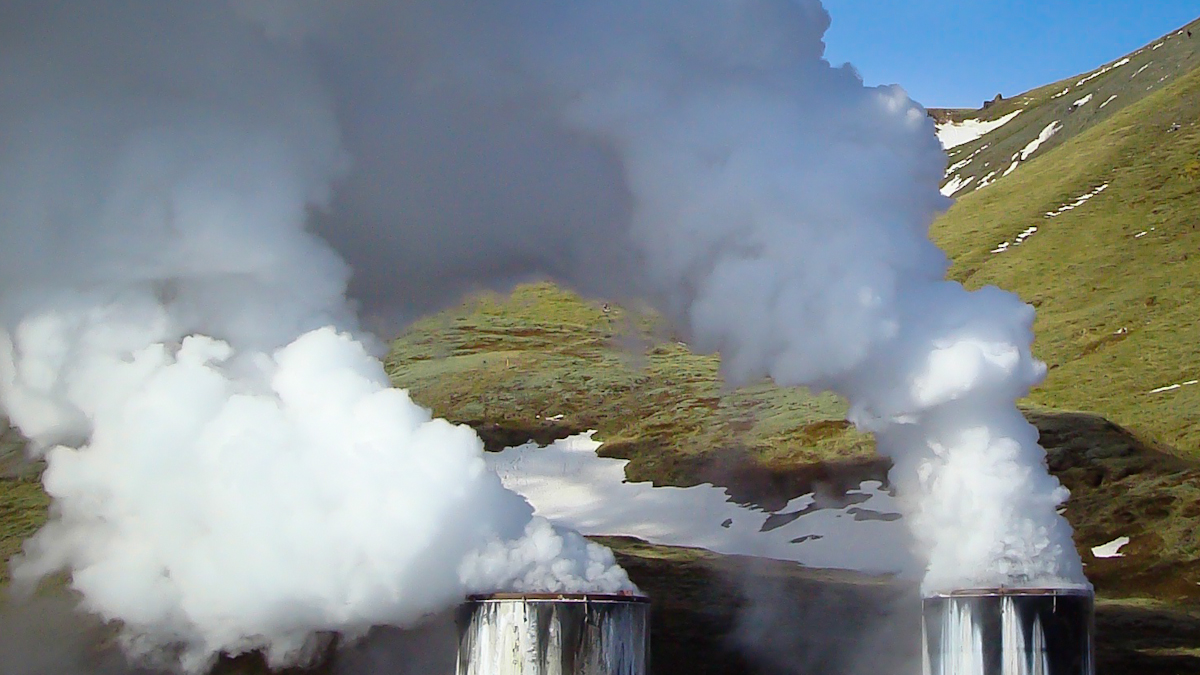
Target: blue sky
x,y
949,53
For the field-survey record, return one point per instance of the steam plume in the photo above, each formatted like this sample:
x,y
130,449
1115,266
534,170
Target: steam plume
x,y
230,468
188,190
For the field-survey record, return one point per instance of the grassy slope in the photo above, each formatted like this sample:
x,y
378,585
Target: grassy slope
x,y
1116,312
23,507
499,364
1147,72
23,504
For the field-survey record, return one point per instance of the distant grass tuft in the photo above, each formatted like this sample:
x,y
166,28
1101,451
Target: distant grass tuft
x,y
23,508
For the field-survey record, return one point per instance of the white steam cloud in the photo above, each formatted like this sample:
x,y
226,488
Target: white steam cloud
x,y
187,191
230,468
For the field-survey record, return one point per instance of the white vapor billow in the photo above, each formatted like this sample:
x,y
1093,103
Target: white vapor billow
x,y
202,202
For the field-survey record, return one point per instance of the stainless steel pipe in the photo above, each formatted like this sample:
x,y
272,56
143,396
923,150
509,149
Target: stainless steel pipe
x,y
1009,631
554,634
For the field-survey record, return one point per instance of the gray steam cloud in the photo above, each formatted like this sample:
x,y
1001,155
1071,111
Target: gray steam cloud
x,y
201,200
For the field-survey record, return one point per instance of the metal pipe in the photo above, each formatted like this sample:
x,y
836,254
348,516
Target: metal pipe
x,y
1009,631
554,634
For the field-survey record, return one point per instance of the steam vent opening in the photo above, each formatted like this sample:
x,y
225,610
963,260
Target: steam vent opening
x,y
1026,631
554,634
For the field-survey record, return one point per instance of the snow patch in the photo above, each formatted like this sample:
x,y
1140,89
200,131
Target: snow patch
x,y
1077,202
961,163
1139,70
956,166
1047,132
955,184
954,134
1011,168
1173,387
987,180
1064,92
1112,549
1102,71
1109,100
569,484
1082,101
1032,229
1020,238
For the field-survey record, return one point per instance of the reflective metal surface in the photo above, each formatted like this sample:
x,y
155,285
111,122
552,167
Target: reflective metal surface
x,y
554,634
1029,631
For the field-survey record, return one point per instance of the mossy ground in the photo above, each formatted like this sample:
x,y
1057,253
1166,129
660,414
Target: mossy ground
x,y
511,366
23,507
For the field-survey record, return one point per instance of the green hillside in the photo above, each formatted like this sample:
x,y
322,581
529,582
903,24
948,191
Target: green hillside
x,y
1062,110
1116,278
544,363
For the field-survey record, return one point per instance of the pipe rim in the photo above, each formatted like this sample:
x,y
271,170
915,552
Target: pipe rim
x,y
1012,592
558,597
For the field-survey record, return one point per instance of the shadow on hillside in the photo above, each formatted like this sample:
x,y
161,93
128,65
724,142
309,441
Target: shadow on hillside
x,y
716,614
1123,486
711,615
1146,641
727,614
46,636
